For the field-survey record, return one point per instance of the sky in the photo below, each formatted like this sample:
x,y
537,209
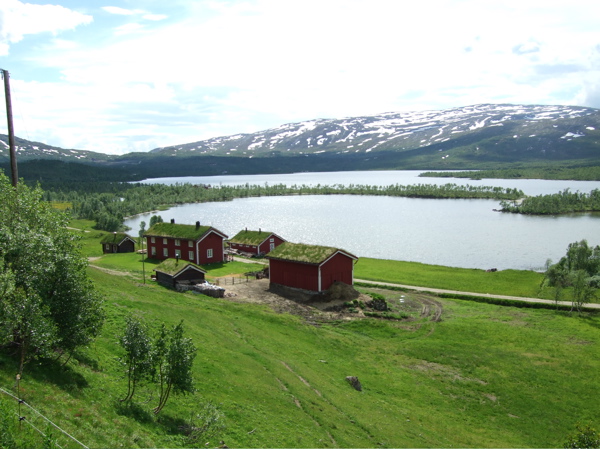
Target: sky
x,y
117,76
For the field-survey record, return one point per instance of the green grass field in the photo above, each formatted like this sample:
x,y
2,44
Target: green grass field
x,y
504,282
484,376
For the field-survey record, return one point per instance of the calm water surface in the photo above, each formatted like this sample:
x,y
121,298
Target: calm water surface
x,y
461,233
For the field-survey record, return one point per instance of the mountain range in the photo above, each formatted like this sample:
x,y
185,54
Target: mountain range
x,y
479,136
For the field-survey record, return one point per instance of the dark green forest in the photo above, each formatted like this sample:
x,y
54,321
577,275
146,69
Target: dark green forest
x,y
584,173
564,202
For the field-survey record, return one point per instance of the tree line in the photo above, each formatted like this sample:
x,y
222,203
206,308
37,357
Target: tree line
x,y
115,201
590,173
563,202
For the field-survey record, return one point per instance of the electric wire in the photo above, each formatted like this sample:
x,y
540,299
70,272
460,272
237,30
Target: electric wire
x,y
21,401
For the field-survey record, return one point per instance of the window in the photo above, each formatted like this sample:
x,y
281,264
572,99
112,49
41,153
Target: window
x,y
108,246
177,242
153,240
209,253
164,241
177,254
154,251
190,243
191,255
166,252
272,240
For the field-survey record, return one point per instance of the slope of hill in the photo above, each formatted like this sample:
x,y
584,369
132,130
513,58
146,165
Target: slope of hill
x,y
474,137
27,150
482,376
543,131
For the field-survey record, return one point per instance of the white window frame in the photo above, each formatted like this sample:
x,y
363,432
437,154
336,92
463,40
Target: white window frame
x,y
154,250
191,255
166,252
209,253
190,243
164,241
177,242
178,254
152,239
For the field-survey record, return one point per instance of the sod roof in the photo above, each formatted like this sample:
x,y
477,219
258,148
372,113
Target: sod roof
x,y
114,237
250,237
300,252
179,231
174,266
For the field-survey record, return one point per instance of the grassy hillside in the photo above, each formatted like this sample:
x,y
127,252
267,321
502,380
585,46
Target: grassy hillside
x,y
483,376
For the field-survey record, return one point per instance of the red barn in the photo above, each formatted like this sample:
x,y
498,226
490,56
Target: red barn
x,y
194,243
255,242
310,267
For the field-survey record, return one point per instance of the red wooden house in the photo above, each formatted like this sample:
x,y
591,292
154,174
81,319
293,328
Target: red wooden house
x,y
194,243
255,242
310,267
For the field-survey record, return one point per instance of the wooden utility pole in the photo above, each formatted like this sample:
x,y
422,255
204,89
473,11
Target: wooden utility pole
x,y
11,132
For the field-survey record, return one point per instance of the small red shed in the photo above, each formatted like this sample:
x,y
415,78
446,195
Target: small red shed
x,y
255,242
198,244
117,242
172,271
310,267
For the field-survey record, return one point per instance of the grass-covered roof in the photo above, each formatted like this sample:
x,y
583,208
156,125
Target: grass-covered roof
x,y
174,266
250,237
179,231
300,252
114,237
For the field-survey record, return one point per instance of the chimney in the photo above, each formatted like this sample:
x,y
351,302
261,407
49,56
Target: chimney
x,y
172,221
197,224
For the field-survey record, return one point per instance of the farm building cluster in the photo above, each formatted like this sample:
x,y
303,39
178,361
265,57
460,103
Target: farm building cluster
x,y
184,248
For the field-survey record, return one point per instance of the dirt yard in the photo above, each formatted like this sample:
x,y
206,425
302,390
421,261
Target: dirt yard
x,y
319,310
294,302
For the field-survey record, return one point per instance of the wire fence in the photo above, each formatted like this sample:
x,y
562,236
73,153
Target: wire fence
x,y
29,416
233,280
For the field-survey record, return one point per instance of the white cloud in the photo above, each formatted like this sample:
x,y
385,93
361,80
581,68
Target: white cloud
x,y
119,11
155,17
18,19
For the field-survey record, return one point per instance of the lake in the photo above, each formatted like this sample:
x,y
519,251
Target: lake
x,y
459,233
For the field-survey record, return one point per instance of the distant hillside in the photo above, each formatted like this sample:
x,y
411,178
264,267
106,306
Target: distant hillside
x,y
27,150
474,137
495,132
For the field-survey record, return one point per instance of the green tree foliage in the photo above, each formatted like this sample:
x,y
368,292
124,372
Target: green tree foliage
x,y
584,437
169,359
564,202
155,219
137,344
48,301
174,356
579,269
142,232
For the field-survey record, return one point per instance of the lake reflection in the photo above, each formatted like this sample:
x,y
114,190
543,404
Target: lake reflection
x,y
461,233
